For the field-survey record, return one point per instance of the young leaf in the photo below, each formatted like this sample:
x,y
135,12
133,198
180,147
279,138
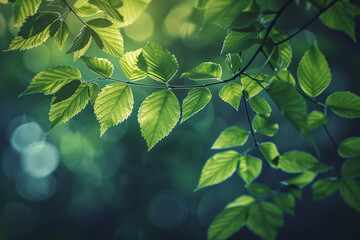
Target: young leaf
x,y
249,168
49,81
260,106
161,64
113,105
131,10
62,34
351,168
302,179
345,104
206,70
24,9
264,125
20,43
259,190
316,119
350,147
270,153
264,218
252,87
314,73
128,64
195,101
84,9
158,115
62,111
285,201
218,168
100,66
325,188
231,137
231,93
107,8
94,89
108,39
233,62
296,161
81,40
350,191
236,42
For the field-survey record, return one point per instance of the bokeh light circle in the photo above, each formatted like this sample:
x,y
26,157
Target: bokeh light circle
x,y
25,135
141,29
35,189
37,59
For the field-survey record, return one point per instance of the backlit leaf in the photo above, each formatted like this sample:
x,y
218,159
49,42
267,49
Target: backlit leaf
x,y
264,125
207,70
195,101
296,161
111,40
345,104
129,66
231,137
351,168
231,93
20,43
24,9
61,34
108,9
316,119
269,152
81,40
302,179
100,66
236,42
94,89
350,147
233,62
249,168
260,106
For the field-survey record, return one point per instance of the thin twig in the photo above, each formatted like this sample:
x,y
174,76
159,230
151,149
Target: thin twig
x,y
72,10
249,121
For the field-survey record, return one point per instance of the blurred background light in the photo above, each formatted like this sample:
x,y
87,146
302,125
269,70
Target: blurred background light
x,y
25,135
37,59
35,189
141,29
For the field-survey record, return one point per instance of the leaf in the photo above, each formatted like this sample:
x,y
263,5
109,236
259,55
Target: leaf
x,y
111,40
158,115
231,137
285,75
244,20
319,168
249,168
57,3
62,34
66,91
350,147
260,106
292,104
82,51
351,168
84,9
264,218
108,9
201,3
233,62
49,81
345,104
36,24
236,42
128,64
296,161
231,93
206,70
285,201
24,9
252,87
341,16
270,153
94,89
195,101
231,219
325,188
131,10
62,111
161,64
283,59
113,105
316,119
81,40
100,66
20,43
218,168
264,125
259,190
314,73
99,22
294,191
350,191
302,179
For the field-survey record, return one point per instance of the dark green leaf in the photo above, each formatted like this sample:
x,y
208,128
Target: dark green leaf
x,y
259,189
350,191
66,91
325,188
285,202
345,104
81,40
236,42
233,62
296,161
350,147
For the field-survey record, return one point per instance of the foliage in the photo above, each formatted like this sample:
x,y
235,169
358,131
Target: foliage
x,y
250,24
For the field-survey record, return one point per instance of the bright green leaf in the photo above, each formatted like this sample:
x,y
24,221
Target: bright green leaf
x,y
82,51
286,76
316,119
206,70
231,93
350,147
296,161
252,87
61,34
20,43
84,9
302,179
131,10
345,104
350,191
236,42
325,188
233,62
269,152
100,66
194,102
264,125
285,201
231,137
94,89
24,9
249,168
128,64
282,59
260,106
108,9
81,40
111,40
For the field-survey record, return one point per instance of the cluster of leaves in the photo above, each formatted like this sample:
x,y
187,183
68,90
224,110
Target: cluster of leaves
x,y
249,23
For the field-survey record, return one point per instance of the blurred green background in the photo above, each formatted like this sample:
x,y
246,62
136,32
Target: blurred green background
x,y
72,184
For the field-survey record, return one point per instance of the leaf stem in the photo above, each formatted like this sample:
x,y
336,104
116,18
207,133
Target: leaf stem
x,y
249,122
72,10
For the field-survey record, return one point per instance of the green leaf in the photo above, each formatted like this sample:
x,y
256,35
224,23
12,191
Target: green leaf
x,y
231,93
81,40
233,62
286,76
260,106
158,115
84,9
270,153
296,161
201,3
345,104
264,218
292,104
341,17
94,89
351,168
316,119
131,10
252,87
285,201
206,70
244,20
195,101
57,3
36,24
100,66
82,51
350,147
66,91
61,34
20,43
62,111
314,73
231,137
325,188
24,9
218,168
259,189
302,179
161,64
49,81
99,22
282,59
128,64
231,219
108,9
236,42
111,40
249,168
294,191
350,191
264,125
113,105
